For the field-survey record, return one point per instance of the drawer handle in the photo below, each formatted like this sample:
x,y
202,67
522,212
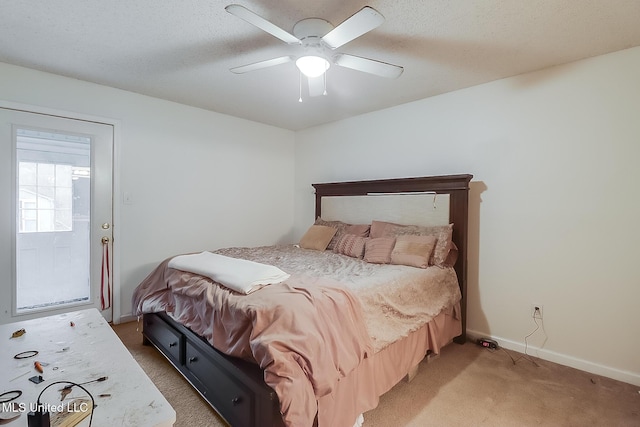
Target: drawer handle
x,y
236,401
173,344
193,359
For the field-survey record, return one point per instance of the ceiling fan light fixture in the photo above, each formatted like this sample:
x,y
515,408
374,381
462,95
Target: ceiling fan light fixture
x,y
312,66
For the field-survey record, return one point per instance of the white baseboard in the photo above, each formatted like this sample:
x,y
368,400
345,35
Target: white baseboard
x,y
561,359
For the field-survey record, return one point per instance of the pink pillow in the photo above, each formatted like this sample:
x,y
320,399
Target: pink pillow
x,y
414,251
361,230
350,245
343,228
378,251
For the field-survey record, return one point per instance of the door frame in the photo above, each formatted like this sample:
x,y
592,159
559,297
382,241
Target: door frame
x,y
115,253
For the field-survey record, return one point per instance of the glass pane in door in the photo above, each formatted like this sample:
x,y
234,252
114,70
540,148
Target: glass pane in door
x,y
53,219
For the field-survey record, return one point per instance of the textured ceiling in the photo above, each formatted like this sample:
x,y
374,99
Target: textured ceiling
x,y
182,50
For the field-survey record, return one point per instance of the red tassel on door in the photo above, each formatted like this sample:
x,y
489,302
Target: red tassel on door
x,y
105,281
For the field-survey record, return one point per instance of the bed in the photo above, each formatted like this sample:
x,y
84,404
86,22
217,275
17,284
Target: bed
x,y
346,324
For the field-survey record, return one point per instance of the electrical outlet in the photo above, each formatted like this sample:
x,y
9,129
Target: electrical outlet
x,y
536,311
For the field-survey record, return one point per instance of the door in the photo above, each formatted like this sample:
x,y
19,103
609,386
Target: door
x,y
56,216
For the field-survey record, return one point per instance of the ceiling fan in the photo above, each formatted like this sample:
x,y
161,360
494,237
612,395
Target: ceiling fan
x,y
318,38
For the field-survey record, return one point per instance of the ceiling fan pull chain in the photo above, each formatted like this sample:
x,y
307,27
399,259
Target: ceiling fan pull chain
x,y
325,84
300,85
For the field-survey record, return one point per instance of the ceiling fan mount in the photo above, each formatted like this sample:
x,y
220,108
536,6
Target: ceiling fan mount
x,y
311,28
318,39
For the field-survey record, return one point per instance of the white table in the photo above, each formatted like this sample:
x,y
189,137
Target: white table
x,y
88,350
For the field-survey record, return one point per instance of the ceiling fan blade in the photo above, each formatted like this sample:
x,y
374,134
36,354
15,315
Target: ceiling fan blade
x,y
316,85
262,64
257,20
363,21
367,65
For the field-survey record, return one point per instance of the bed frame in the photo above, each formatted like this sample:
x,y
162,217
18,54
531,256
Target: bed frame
x,y
236,388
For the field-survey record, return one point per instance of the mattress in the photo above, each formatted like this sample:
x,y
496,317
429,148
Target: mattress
x,y
396,299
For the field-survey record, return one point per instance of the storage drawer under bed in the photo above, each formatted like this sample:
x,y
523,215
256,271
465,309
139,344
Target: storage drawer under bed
x,y
234,388
234,401
162,335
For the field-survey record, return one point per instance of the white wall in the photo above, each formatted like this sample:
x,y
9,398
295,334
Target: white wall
x,y
554,201
199,180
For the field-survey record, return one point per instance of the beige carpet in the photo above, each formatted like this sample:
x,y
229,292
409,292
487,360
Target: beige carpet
x,y
466,386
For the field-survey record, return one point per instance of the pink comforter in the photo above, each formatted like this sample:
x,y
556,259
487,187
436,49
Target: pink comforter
x,y
306,333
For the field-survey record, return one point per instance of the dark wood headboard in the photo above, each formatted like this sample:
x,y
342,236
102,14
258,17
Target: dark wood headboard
x,y
457,186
